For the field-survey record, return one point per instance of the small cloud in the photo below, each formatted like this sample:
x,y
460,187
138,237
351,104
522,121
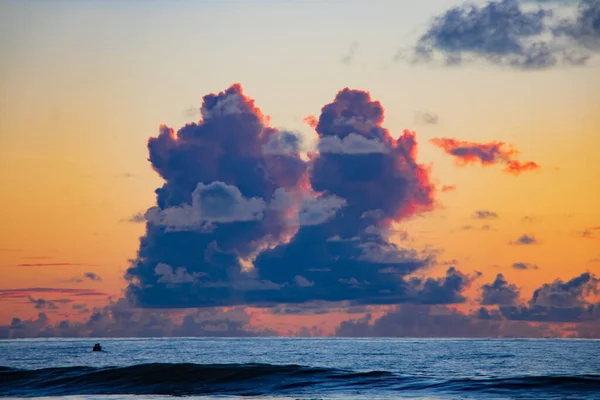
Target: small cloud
x,y
524,266
485,154
484,214
528,219
591,233
448,188
484,227
92,276
525,240
311,121
137,218
449,262
499,292
192,112
426,118
43,304
303,282
348,58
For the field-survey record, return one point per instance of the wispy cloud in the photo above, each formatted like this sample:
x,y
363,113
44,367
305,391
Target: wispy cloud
x,y
57,264
138,218
427,118
7,294
348,58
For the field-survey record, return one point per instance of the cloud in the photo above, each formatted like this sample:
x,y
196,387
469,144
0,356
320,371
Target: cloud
x,y
216,202
525,239
484,227
427,118
348,58
485,154
180,275
316,211
351,144
560,302
524,266
584,28
119,319
591,233
138,218
499,292
448,188
409,320
8,294
551,306
242,219
285,143
446,290
58,264
505,33
516,167
380,181
485,214
43,303
92,276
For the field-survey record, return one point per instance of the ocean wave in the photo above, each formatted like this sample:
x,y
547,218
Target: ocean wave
x,y
259,380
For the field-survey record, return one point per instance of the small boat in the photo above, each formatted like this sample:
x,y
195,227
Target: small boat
x,y
97,347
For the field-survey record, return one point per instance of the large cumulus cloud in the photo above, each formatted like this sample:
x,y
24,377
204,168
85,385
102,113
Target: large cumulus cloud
x,y
349,257
243,219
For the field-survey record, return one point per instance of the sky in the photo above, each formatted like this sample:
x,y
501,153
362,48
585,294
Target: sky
x,y
300,168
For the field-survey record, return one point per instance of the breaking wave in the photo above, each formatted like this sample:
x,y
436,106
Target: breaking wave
x,y
261,380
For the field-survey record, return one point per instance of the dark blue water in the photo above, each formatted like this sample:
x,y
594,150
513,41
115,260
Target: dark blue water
x,y
302,368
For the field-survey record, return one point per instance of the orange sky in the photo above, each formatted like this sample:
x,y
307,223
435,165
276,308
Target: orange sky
x,y
77,107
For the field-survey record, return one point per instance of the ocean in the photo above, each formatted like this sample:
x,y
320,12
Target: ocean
x,y
300,368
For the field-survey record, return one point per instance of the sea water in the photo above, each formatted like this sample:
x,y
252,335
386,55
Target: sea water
x,y
298,368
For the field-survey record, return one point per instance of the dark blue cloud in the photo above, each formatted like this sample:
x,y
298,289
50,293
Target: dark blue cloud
x,y
92,276
585,28
524,266
510,33
242,219
525,240
349,257
499,292
560,302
